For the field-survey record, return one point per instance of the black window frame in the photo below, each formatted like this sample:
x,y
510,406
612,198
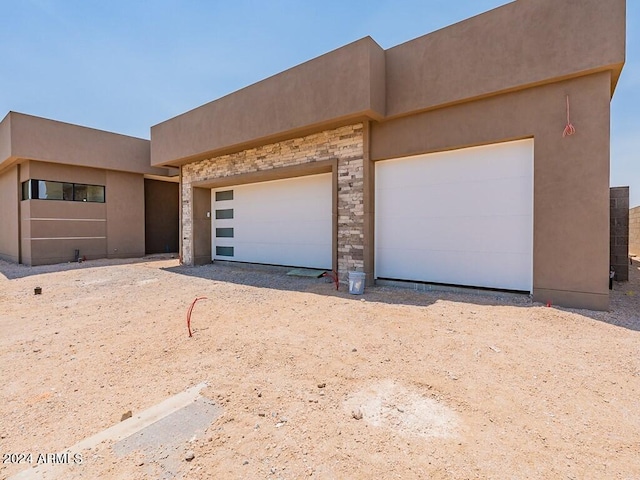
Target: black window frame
x,y
31,188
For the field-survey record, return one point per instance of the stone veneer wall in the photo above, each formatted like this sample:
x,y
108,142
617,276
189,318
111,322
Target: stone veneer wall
x,y
346,144
634,231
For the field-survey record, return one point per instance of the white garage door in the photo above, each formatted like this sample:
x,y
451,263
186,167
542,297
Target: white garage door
x,y
462,217
282,222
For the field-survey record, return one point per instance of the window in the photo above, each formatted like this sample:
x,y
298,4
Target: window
x,y
46,190
225,195
224,251
26,190
88,193
53,190
67,191
224,232
224,214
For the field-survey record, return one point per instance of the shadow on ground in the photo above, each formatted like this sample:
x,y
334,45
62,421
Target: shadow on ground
x,y
13,271
273,277
624,312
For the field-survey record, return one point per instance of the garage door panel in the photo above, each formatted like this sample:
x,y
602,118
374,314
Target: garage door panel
x,y
478,234
271,232
282,222
499,197
273,254
438,169
458,268
265,205
461,217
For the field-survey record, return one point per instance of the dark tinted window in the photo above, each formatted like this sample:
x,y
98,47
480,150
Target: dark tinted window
x,y
226,195
224,251
224,214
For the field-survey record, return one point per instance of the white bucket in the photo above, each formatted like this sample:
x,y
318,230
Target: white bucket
x,y
356,283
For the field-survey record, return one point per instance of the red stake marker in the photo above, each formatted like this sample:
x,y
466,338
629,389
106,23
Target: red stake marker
x,y
193,304
334,276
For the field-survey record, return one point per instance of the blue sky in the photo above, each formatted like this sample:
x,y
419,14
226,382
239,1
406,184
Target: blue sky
x,y
123,66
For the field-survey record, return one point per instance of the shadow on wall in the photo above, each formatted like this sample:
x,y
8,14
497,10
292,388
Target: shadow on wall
x,y
625,297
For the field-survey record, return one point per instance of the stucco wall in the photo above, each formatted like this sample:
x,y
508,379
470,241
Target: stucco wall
x,y
47,140
125,214
342,86
511,47
56,172
344,145
53,229
5,138
571,175
9,220
25,232
634,231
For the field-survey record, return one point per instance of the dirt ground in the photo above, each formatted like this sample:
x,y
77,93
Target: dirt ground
x,y
315,383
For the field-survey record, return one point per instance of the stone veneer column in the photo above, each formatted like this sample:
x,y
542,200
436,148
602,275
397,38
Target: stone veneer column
x,y
350,216
186,222
344,144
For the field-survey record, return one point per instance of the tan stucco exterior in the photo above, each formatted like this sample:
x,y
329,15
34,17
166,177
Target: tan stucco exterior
x,y
519,45
500,76
26,137
9,215
5,139
338,88
125,225
50,231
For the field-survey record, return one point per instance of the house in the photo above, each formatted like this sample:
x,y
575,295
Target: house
x,y
69,192
446,159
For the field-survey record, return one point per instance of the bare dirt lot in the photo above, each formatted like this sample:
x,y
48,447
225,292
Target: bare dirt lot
x,y
314,383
